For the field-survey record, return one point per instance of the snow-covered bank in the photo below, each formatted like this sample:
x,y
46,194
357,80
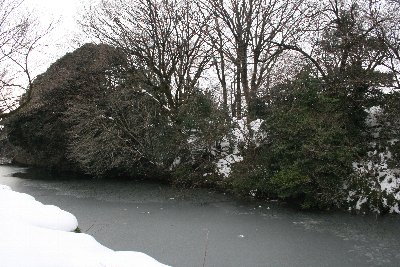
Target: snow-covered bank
x,y
33,234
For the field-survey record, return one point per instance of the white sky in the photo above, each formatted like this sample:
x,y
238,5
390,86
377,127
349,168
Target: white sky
x,y
63,13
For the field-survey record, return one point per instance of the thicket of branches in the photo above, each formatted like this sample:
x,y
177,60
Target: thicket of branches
x,y
312,71
245,43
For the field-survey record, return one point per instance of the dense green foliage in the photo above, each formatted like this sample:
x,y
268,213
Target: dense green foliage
x,y
312,141
308,151
375,181
201,125
390,123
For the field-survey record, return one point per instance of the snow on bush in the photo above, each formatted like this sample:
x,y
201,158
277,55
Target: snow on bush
x,y
37,235
375,185
224,164
230,151
378,186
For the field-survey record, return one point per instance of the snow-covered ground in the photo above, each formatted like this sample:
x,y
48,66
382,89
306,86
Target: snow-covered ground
x,y
37,235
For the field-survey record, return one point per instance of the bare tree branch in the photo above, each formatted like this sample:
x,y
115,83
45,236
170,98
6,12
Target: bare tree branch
x,y
19,37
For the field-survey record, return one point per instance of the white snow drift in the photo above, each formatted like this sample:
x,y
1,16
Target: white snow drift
x,y
37,235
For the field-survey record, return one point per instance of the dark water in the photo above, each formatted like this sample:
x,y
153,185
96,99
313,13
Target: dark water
x,y
190,228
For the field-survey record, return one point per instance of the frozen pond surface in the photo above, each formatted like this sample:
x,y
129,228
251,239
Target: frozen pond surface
x,y
190,228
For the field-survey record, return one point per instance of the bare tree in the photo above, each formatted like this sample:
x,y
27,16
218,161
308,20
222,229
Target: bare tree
x,y
164,38
242,34
386,17
345,36
246,41
19,37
